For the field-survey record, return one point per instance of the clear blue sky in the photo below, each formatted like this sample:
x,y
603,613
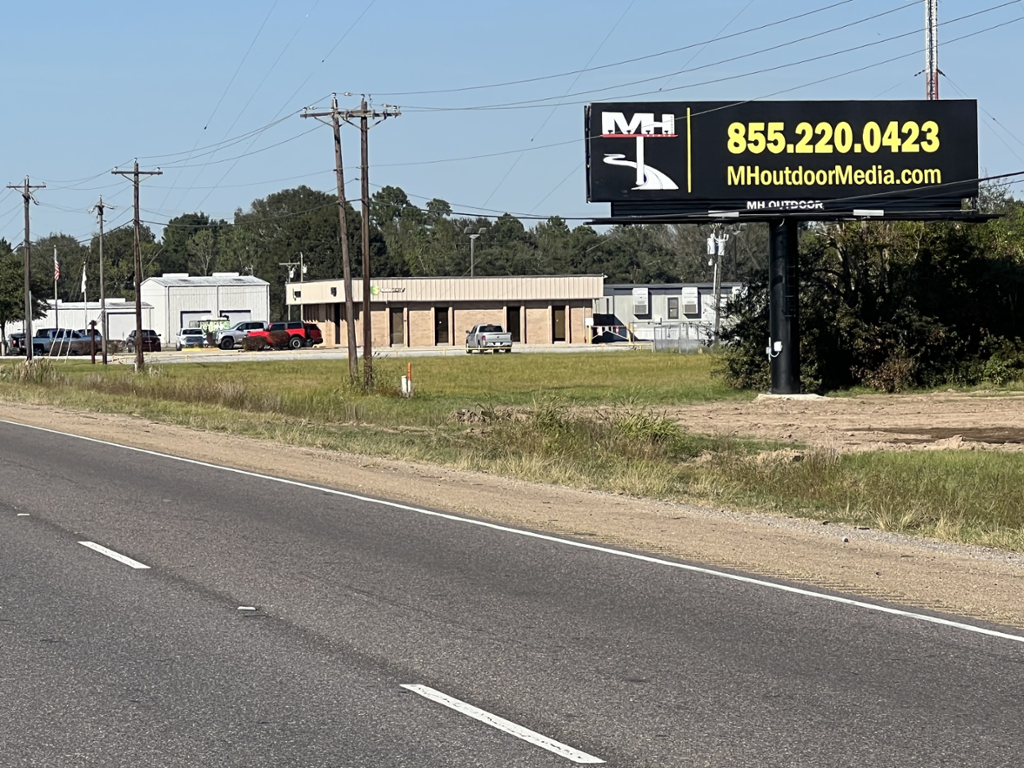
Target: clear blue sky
x,y
90,86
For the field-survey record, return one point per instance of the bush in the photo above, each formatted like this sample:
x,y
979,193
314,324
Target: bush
x,y
37,371
280,339
254,343
892,306
1006,363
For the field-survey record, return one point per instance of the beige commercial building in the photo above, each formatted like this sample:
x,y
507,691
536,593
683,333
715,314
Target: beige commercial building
x,y
437,311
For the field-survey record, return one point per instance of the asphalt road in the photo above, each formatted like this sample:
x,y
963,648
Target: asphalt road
x,y
631,661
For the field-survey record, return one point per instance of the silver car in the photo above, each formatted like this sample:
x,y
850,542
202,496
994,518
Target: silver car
x,y
190,337
227,338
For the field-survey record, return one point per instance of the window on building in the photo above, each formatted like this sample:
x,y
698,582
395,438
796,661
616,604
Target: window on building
x,y
673,307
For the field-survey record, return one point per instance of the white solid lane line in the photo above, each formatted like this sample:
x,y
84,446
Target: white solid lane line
x,y
554,539
112,554
505,725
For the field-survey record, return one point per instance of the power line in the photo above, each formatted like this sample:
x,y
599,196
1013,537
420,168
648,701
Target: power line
x,y
528,80
542,102
826,79
994,131
567,91
716,38
301,85
227,88
240,64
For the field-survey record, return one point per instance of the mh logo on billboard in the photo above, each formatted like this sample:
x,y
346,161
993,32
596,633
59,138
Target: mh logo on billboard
x,y
640,127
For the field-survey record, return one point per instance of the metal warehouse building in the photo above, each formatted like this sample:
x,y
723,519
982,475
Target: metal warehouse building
x,y
77,314
178,299
437,311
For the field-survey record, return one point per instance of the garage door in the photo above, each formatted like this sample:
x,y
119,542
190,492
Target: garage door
x,y
237,315
190,317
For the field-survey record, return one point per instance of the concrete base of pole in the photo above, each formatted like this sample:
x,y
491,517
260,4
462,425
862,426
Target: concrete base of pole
x,y
769,396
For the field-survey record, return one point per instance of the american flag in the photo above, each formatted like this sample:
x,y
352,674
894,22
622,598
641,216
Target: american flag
x,y
56,268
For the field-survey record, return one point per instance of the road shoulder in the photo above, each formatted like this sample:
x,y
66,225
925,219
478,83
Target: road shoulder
x,y
918,573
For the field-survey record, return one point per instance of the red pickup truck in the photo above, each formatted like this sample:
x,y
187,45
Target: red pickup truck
x,y
302,334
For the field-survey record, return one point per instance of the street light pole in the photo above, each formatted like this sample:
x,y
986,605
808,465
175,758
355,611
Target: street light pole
x,y
472,247
291,265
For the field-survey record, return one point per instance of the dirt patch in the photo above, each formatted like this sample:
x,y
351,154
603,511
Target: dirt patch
x,y
975,421
923,574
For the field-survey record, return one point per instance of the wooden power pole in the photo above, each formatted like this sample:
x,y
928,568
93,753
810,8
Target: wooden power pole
x,y
346,265
135,173
99,208
365,115
26,194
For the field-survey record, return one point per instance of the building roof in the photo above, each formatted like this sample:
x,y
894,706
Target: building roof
x,y
113,305
183,280
507,288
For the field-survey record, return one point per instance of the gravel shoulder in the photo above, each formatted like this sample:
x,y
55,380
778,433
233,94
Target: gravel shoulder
x,y
918,573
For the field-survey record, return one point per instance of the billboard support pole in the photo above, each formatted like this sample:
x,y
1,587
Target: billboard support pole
x,y
784,305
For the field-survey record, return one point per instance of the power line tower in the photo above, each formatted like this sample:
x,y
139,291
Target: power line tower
x,y
100,207
365,114
346,266
26,194
135,173
931,49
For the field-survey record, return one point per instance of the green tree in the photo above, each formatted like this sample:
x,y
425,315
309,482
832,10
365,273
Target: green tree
x,y
70,254
119,260
175,256
12,289
202,252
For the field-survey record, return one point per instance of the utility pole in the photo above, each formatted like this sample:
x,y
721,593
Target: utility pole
x,y
291,265
136,173
346,265
365,115
26,194
99,208
56,277
931,49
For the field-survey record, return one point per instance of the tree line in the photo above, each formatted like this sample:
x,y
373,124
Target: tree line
x,y
888,305
898,305
405,241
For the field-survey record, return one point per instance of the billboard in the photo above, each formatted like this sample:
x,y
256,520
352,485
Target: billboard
x,y
775,157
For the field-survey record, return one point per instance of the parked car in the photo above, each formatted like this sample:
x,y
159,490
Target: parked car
x,y
190,337
150,342
313,335
302,334
16,343
488,338
44,339
229,338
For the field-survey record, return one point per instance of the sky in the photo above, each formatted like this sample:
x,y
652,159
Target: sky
x,y
211,92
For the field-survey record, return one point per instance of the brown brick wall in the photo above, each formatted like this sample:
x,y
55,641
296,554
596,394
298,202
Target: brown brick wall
x,y
535,322
538,325
470,316
421,326
577,329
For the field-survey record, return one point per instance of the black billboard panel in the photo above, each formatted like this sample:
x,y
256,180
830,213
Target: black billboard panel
x,y
648,158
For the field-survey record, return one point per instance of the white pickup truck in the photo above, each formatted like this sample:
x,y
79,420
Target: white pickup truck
x,y
488,338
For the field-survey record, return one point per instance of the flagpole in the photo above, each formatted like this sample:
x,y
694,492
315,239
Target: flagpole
x,y
56,276
85,301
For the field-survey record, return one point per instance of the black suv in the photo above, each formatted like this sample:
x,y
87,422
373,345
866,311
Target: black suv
x,y
150,342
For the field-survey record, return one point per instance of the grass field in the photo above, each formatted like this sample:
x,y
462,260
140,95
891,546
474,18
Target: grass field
x,y
583,420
